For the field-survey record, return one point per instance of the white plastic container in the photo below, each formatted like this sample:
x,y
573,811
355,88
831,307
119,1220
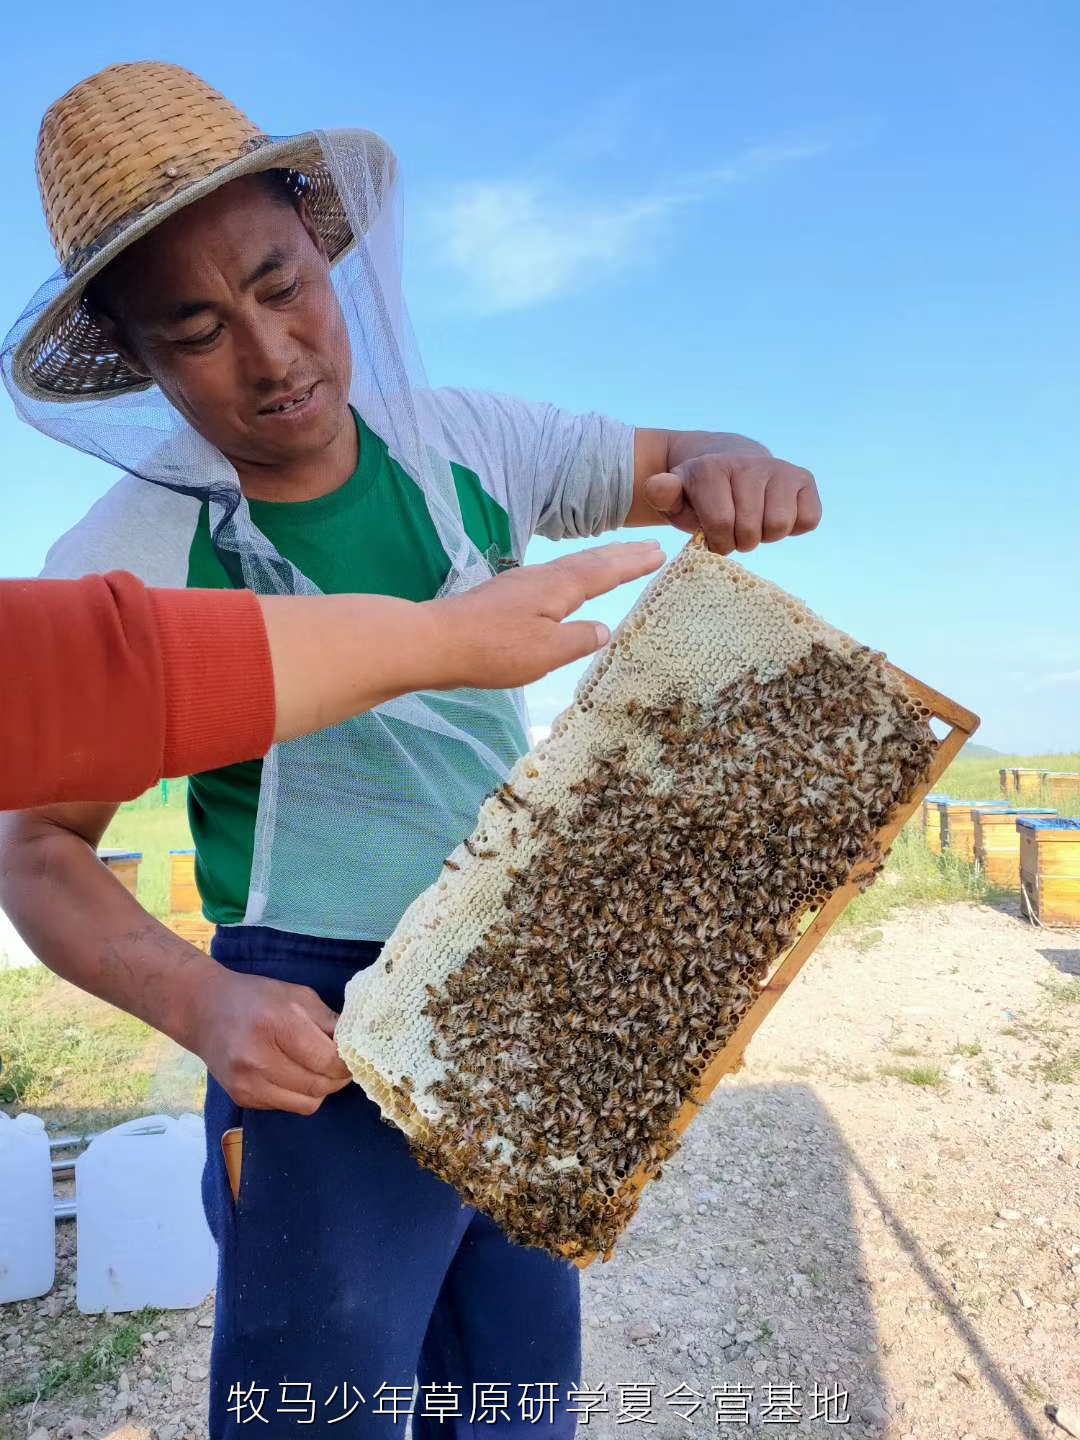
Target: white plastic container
x,y
142,1237
15,954
27,1223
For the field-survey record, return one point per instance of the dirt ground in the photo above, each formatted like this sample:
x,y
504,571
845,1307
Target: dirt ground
x,y
874,1225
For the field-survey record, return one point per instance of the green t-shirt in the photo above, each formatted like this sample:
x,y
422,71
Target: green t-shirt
x,y
366,824
372,536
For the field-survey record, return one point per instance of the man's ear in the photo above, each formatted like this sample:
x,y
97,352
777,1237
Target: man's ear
x,y
116,337
309,225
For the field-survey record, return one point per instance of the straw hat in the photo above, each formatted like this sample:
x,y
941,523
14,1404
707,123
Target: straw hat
x,y
117,155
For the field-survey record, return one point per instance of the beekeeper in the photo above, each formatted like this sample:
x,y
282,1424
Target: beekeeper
x,y
227,327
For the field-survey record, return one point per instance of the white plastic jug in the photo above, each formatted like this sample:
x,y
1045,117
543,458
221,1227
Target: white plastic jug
x,y
27,1223
142,1237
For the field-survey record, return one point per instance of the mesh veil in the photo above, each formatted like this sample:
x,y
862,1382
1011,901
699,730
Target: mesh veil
x,y
318,789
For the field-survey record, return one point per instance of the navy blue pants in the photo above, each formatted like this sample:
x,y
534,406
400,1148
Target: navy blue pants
x,y
347,1271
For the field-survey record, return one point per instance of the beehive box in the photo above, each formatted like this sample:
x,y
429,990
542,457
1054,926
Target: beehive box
x,y
928,813
1027,783
196,932
935,828
1005,780
958,826
548,1016
997,844
1062,787
1050,869
124,864
184,898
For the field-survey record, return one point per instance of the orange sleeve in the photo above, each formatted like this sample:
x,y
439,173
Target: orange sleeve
x,y
219,679
106,686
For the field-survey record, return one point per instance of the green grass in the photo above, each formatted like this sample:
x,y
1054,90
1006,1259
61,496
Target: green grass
x,y
975,779
1062,1069
153,828
915,876
101,1363
928,1076
1062,992
869,940
69,1057
1033,1390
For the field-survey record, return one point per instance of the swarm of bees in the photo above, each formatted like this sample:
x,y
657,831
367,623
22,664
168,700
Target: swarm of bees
x,y
546,1009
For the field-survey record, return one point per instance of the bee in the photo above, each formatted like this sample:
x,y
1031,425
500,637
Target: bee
x,y
450,865
508,796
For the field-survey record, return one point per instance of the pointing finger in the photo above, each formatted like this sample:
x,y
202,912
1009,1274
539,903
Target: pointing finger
x,y
594,572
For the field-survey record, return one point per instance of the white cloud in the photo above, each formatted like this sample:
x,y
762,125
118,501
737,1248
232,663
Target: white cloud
x,y
517,243
1055,678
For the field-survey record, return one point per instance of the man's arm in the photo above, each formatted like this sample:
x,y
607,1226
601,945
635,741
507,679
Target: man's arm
x,y
269,1044
726,485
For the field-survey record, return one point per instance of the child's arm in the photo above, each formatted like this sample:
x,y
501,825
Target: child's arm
x,y
109,686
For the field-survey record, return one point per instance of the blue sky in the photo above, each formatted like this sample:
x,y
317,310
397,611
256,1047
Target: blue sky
x,y
846,229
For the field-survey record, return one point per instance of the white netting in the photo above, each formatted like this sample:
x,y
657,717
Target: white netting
x,y
312,798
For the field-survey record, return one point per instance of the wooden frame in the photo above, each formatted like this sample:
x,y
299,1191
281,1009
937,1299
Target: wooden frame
x,y
962,725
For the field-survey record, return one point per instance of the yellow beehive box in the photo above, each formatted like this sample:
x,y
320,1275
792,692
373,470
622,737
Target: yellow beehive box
x,y
124,864
997,845
184,898
935,824
196,932
1028,782
1063,786
1005,779
927,813
958,826
928,820
1050,869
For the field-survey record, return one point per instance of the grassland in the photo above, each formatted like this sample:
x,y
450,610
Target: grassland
x,y
70,1057
978,779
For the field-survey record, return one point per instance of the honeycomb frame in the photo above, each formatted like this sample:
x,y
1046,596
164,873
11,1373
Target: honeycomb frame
x,y
500,815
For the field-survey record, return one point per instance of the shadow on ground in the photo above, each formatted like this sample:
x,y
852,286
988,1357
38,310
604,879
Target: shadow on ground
x,y
757,1235
1067,961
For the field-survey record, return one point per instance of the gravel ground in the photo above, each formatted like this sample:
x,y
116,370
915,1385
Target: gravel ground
x,y
833,1245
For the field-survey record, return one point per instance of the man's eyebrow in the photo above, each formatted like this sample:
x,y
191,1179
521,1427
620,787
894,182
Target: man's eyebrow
x,y
274,261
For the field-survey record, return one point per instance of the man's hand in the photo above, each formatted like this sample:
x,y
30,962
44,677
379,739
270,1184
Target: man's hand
x,y
729,487
270,1044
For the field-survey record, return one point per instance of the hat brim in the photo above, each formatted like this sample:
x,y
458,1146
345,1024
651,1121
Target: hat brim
x,y
66,355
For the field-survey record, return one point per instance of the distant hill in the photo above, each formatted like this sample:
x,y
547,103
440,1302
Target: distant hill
x,y
972,751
